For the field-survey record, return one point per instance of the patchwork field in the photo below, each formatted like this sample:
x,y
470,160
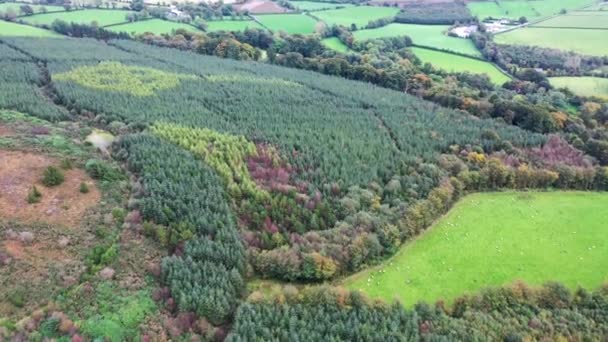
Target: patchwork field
x,y
231,25
335,44
102,17
18,30
425,35
453,63
156,26
584,86
15,7
359,15
494,239
589,42
514,9
587,19
290,23
317,6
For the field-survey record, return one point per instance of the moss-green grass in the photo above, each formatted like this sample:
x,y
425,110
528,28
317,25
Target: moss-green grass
x,y
358,15
102,17
494,239
425,35
317,6
485,9
290,23
513,9
6,6
583,86
453,63
584,41
598,19
335,44
519,8
156,26
18,30
231,25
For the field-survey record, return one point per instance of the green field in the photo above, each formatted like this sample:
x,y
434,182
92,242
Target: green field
x,y
317,6
156,26
290,23
583,86
494,239
231,25
514,9
425,35
102,17
335,44
359,15
453,63
584,41
7,6
18,30
597,19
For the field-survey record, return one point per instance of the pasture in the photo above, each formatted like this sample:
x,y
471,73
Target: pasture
x,y
584,41
583,86
317,6
425,35
586,19
494,239
290,23
156,26
514,9
102,17
18,30
335,44
231,25
358,15
15,7
454,63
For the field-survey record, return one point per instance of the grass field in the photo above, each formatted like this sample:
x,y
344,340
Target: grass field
x,y
583,86
453,63
335,44
518,8
290,23
359,15
231,25
493,239
425,35
6,6
156,26
317,6
589,42
597,19
514,9
18,30
102,17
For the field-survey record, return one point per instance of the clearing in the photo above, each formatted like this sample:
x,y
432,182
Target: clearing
x,y
156,26
583,86
290,23
494,239
454,63
359,15
102,17
424,35
18,30
336,44
584,41
63,204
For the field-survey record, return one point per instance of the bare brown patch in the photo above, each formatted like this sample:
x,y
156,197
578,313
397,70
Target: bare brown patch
x,y
38,254
63,204
6,131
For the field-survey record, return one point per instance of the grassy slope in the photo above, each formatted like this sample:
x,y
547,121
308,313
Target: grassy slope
x,y
290,23
231,25
335,44
514,9
18,30
156,26
579,19
102,17
37,8
454,63
493,239
584,86
589,42
426,35
316,6
360,15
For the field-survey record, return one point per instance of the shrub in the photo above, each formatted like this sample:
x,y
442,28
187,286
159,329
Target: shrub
x,y
52,176
84,188
34,195
97,169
